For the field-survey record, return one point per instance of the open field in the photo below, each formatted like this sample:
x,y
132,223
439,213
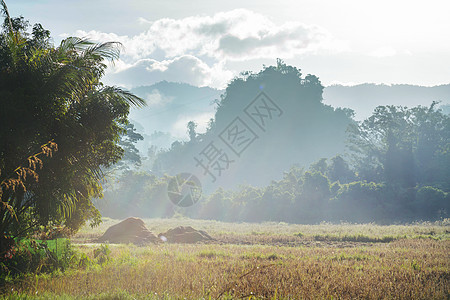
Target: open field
x,y
258,261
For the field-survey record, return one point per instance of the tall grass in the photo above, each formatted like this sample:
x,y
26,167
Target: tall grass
x,y
438,230
352,262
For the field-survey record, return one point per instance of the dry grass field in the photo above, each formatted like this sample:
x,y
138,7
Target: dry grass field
x,y
257,261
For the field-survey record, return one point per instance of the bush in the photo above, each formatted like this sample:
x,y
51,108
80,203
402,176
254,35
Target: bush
x,y
30,255
102,254
360,202
431,203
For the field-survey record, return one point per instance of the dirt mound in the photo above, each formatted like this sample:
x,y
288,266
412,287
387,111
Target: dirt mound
x,y
131,230
184,234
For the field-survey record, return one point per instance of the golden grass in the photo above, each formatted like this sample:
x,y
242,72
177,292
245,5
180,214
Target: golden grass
x,y
258,267
436,229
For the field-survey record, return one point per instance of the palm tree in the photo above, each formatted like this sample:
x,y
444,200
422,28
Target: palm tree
x,y
55,94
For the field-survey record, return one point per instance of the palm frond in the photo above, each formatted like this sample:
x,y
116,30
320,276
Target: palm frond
x,y
73,44
108,50
88,49
124,95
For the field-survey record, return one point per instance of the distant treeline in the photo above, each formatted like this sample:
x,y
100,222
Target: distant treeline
x,y
392,167
301,197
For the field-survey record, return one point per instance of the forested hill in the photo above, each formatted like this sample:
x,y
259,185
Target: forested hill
x,y
363,98
172,105
259,136
275,151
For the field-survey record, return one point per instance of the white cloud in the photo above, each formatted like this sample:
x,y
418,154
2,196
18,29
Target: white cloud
x,y
142,20
156,99
237,35
383,52
186,68
196,49
179,128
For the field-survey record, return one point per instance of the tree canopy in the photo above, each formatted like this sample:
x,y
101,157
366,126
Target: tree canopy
x,y
300,128
403,147
398,171
391,167
53,96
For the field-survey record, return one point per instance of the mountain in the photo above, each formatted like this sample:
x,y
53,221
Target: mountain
x,y
170,106
363,98
265,124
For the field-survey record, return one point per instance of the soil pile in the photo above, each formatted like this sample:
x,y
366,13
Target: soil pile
x,y
184,234
131,230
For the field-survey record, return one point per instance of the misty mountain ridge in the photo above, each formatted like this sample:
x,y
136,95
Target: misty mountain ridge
x,y
172,105
363,98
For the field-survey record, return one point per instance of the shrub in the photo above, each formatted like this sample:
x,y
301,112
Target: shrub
x,y
360,201
30,255
431,203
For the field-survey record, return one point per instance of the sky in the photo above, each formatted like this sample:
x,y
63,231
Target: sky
x,y
207,43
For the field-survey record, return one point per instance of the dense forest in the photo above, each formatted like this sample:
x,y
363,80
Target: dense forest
x,y
392,167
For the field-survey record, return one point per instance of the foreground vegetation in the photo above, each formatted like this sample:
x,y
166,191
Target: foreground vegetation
x,y
256,261
59,128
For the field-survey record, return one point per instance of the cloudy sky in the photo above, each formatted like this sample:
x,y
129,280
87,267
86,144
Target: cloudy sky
x,y
206,43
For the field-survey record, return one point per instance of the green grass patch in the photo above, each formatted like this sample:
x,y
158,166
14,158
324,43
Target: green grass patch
x,y
360,238
212,254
